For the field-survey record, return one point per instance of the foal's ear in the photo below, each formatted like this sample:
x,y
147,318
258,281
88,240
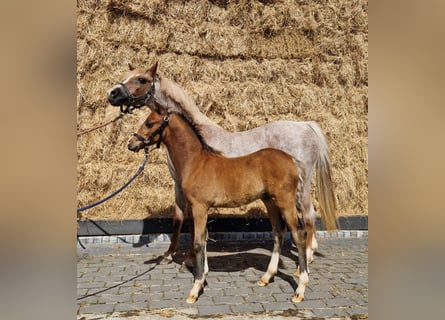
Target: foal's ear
x,y
131,66
152,69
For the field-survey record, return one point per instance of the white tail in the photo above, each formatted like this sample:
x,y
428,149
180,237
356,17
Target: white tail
x,y
324,187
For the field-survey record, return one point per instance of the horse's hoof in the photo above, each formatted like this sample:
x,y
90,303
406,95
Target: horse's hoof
x,y
297,272
191,299
183,268
262,283
189,262
297,299
310,259
166,260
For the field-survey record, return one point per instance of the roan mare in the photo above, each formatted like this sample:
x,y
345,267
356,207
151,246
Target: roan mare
x,y
303,140
208,179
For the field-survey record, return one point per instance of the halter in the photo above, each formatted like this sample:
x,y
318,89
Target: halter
x,y
158,131
136,101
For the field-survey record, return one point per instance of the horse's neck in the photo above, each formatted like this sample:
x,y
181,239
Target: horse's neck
x,y
174,99
182,144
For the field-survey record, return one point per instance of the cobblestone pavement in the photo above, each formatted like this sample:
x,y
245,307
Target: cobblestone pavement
x,y
124,281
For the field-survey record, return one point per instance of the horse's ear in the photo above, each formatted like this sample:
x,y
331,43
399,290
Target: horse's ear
x,y
152,69
131,66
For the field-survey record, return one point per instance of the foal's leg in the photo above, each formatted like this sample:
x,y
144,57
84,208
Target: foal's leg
x,y
189,260
299,237
279,231
200,248
178,220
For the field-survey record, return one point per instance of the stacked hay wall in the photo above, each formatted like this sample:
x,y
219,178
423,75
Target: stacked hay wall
x,y
245,63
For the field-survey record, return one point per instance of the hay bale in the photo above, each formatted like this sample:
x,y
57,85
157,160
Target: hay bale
x,y
245,63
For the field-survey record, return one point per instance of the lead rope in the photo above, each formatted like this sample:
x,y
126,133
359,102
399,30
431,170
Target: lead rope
x,y
141,168
102,125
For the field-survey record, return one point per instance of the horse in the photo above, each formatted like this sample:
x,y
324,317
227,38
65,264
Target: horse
x,y
208,180
303,140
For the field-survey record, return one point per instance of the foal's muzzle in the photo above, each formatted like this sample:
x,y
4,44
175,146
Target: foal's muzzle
x,y
135,146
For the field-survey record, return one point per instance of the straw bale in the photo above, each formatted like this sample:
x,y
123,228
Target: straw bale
x,y
245,63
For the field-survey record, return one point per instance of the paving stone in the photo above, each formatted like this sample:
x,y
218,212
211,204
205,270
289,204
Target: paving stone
x,y
119,307
86,300
339,302
237,291
256,298
338,282
278,306
313,304
283,296
90,285
137,297
115,298
160,304
174,295
97,308
213,310
189,311
323,313
247,307
356,310
203,300
81,292
228,300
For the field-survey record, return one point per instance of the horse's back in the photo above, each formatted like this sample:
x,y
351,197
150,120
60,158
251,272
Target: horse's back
x,y
297,138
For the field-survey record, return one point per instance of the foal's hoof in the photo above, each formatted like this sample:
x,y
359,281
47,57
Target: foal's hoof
x,y
191,299
310,259
262,283
297,299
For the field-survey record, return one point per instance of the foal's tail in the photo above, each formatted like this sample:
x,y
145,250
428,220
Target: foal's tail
x,y
324,187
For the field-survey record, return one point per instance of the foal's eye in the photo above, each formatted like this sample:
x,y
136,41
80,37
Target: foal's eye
x,y
142,80
149,124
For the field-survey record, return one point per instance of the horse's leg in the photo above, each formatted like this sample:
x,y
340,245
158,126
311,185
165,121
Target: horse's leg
x,y
309,217
309,225
178,220
200,247
279,231
299,237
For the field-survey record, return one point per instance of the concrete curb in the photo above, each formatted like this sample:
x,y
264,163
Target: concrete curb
x,y
215,224
140,240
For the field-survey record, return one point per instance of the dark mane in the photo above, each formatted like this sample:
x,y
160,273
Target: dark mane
x,y
197,132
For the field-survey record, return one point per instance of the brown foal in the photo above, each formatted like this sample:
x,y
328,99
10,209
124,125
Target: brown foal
x,y
209,179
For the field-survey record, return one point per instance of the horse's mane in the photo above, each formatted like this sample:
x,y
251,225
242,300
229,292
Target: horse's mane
x,y
177,100
197,132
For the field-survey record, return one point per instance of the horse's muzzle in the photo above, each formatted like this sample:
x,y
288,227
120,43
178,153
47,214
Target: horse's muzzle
x,y
117,96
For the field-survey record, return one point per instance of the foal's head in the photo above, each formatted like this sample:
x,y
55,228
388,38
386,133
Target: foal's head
x,y
150,132
136,87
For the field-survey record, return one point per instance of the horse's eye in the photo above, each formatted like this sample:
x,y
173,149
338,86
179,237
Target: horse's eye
x,y
149,124
142,80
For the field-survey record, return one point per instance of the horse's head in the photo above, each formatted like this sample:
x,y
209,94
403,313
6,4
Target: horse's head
x,y
136,89
150,132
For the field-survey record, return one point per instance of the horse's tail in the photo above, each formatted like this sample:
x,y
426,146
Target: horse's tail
x,y
300,185
324,186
